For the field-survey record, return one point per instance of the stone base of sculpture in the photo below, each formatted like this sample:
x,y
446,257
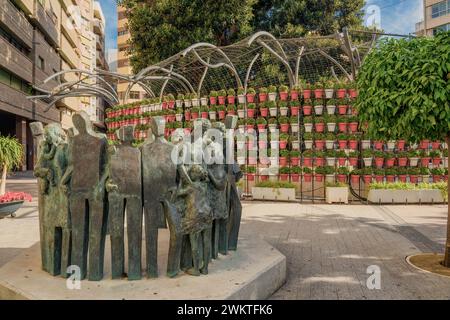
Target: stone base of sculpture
x,y
255,271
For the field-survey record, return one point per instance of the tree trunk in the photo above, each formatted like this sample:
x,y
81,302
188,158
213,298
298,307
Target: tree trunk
x,y
447,245
3,181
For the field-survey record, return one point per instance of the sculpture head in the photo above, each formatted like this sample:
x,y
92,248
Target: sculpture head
x,y
158,125
54,134
82,122
37,129
219,126
126,134
197,173
204,123
178,136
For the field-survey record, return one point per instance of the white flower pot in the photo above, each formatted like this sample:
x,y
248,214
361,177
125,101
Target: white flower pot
x,y
426,178
273,144
391,145
179,103
331,126
295,145
318,110
329,178
329,93
204,101
367,162
195,102
405,196
308,127
241,160
273,127
179,117
241,99
294,127
212,115
272,96
365,144
308,144
188,103
445,161
330,161
413,162
241,113
329,144
273,112
284,111
331,109
336,194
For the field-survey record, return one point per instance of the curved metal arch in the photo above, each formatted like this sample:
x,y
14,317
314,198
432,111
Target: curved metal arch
x,y
269,35
247,76
326,55
74,94
158,68
202,79
167,78
165,83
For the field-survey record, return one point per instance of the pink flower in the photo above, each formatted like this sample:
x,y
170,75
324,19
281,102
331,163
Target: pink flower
x,y
15,196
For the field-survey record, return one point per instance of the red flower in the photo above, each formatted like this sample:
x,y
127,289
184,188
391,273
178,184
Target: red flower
x,y
15,196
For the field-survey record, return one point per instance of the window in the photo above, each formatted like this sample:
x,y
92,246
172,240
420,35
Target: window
x,y
440,9
12,81
123,32
13,41
445,27
41,63
134,95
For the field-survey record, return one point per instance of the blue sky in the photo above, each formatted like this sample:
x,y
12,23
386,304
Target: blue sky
x,y
396,16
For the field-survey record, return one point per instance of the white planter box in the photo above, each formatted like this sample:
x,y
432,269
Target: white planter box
x,y
179,103
318,110
212,115
204,102
329,178
413,162
329,93
241,113
391,145
405,196
195,102
273,112
241,99
272,96
367,162
284,111
365,144
179,117
295,145
187,103
331,161
308,144
281,194
329,144
294,127
331,126
331,109
336,194
308,127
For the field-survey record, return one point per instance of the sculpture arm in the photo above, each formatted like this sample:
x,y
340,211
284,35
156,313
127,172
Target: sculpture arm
x,y
219,184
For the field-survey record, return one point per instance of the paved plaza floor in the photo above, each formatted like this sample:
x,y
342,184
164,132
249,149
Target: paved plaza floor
x,y
329,248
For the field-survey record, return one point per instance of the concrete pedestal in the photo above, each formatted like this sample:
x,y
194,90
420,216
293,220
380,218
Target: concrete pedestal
x,y
255,271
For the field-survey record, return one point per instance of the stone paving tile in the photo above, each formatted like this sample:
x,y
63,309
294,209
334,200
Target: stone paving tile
x,y
328,247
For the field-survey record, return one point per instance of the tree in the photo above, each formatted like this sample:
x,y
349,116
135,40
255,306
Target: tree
x,y
405,92
11,156
163,28
290,18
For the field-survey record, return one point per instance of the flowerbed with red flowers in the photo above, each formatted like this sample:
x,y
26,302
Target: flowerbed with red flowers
x,y
15,196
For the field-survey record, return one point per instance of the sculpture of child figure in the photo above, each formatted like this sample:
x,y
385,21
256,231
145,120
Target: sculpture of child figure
x,y
197,218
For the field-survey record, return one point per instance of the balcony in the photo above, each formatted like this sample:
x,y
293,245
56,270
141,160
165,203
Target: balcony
x,y
15,102
68,53
47,22
99,27
15,61
16,22
100,42
70,30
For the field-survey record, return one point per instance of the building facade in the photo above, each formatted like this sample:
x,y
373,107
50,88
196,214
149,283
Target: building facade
x,y
436,17
39,38
123,61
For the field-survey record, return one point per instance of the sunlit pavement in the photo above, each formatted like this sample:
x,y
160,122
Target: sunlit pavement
x,y
329,248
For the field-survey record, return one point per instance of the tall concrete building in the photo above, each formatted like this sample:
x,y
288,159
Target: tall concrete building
x,y
436,17
123,61
39,38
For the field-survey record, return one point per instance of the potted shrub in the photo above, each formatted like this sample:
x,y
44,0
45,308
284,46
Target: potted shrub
x,y
295,174
390,174
282,105
402,159
436,158
231,96
413,156
294,156
424,158
331,106
352,90
319,173
293,120
435,145
250,173
437,174
272,93
262,94
389,159
261,123
318,107
284,138
318,90
353,124
231,110
353,158
367,175
241,111
365,142
264,109
353,142
319,124
341,90
424,173
307,107
221,111
330,157
307,158
295,142
379,158
204,112
273,110
319,158
402,174
379,174
329,88
221,94
11,156
204,101
378,144
294,107
355,175
250,125
284,173
213,97
241,125
308,140
284,157
413,174
342,139
195,113
445,158
273,124
251,110
241,95
294,93
341,157
342,124
194,99
307,123
306,93
283,92
179,101
330,139
211,112
391,145
307,174
342,106
274,190
179,114
251,93
367,156
342,174
331,123
319,140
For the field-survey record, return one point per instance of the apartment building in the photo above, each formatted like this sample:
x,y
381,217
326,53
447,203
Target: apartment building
x,y
39,38
436,17
123,61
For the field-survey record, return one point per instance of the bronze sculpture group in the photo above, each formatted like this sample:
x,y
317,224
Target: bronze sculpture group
x,y
89,190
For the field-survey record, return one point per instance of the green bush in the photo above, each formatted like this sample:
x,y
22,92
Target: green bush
x,y
275,185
